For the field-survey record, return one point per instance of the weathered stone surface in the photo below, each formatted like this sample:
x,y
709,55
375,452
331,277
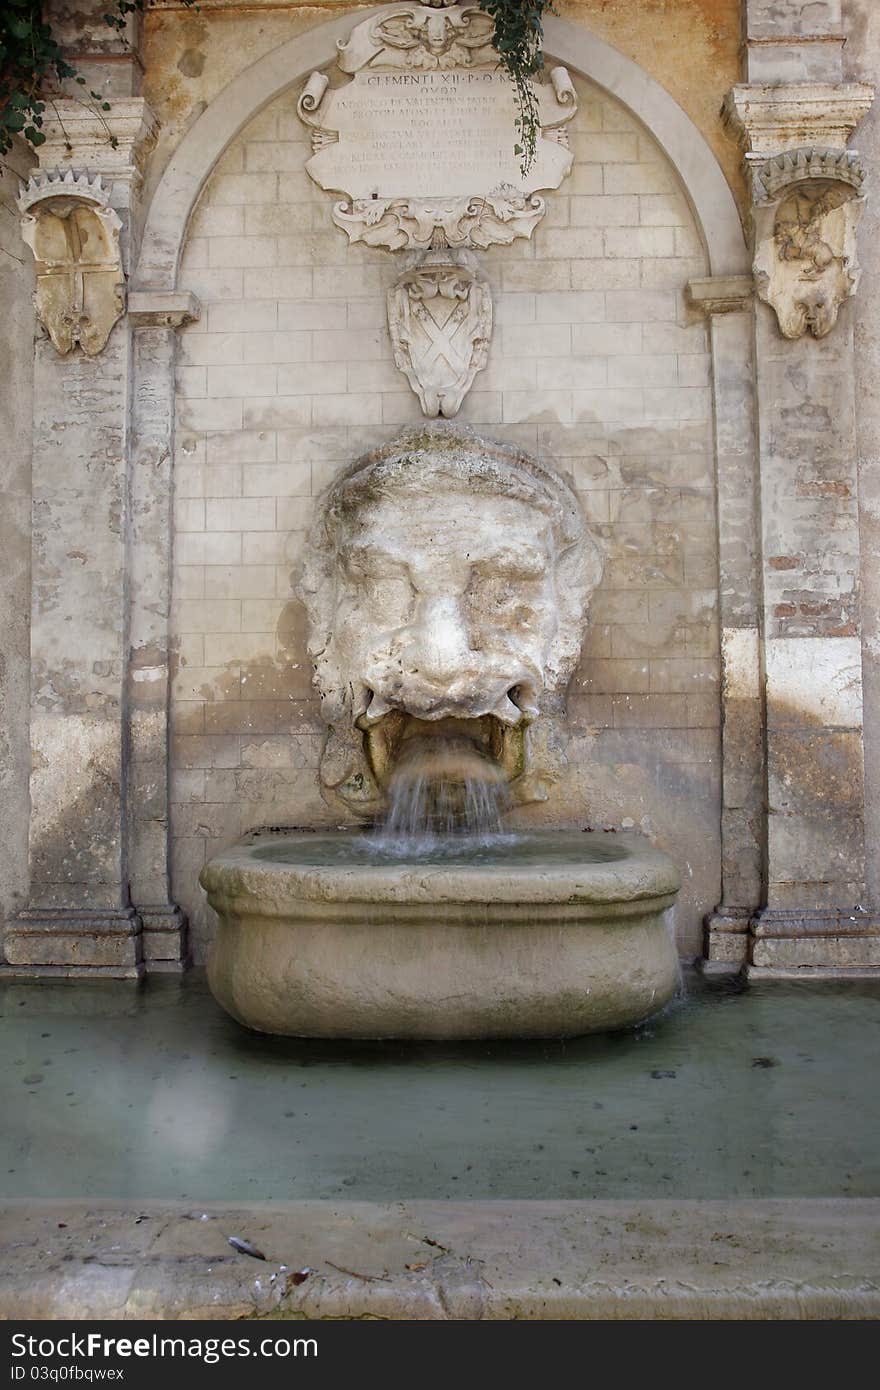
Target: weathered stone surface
x,y
794,40
92,782
805,238
819,949
863,27
447,578
16,429
386,949
65,939
774,116
79,135
73,233
439,1260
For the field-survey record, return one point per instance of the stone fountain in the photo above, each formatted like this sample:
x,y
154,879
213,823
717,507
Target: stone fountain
x,y
447,583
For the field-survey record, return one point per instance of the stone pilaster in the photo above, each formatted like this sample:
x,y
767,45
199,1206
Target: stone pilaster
x,y
728,302
863,21
154,318
814,914
86,785
108,58
793,41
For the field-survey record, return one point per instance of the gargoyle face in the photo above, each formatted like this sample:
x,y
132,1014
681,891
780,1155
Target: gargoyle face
x,y
451,600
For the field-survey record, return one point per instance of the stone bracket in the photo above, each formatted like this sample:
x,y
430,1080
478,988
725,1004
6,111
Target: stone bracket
x,y
163,308
721,294
114,143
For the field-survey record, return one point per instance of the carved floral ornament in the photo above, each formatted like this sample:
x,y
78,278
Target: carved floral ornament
x,y
807,207
73,233
421,140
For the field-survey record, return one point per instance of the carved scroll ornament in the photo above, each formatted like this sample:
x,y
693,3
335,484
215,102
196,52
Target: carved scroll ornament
x,y
74,235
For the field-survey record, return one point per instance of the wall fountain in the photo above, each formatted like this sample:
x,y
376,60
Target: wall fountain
x,y
447,584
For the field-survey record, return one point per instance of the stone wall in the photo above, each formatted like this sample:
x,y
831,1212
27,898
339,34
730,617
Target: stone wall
x,y
16,377
596,364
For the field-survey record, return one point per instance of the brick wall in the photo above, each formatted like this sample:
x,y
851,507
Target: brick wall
x,y
596,364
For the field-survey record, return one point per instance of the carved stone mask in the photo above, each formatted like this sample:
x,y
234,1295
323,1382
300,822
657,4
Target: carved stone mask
x,y
447,583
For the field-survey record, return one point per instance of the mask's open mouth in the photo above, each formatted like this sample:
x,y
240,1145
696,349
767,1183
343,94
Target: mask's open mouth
x,y
498,738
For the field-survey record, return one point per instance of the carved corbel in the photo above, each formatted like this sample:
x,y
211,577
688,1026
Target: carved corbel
x,y
721,294
163,308
806,211
440,322
73,233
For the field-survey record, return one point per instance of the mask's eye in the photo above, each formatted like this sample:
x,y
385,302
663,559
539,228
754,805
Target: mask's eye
x,y
495,595
389,599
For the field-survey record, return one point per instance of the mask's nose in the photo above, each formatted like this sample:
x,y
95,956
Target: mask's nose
x,y
439,649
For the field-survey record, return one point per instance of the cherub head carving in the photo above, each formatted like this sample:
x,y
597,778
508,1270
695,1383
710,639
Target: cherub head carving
x,y
447,582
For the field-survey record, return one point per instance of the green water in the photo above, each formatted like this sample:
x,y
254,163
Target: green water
x,y
122,1092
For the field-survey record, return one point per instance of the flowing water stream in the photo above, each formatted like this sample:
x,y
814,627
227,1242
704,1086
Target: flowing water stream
x,y
442,791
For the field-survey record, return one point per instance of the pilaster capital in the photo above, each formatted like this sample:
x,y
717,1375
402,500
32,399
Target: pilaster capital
x,y
770,118
114,143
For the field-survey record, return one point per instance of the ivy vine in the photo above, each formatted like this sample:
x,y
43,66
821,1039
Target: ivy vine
x,y
32,62
518,37
31,59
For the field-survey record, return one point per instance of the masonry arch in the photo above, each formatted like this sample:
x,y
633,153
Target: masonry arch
x,y
190,166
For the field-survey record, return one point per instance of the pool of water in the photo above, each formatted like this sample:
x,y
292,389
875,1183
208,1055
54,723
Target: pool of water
x,y
502,851
117,1091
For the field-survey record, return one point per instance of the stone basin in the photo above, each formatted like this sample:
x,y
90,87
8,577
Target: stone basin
x,y
548,934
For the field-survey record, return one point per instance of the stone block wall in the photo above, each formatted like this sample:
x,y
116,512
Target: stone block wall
x,y
596,364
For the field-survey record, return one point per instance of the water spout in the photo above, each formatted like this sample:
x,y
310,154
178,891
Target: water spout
x,y
441,789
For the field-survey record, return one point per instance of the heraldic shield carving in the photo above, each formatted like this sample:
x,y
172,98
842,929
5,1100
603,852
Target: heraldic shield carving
x,y
440,321
74,235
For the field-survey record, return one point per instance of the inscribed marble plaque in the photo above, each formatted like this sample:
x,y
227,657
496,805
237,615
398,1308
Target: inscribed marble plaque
x,y
422,139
